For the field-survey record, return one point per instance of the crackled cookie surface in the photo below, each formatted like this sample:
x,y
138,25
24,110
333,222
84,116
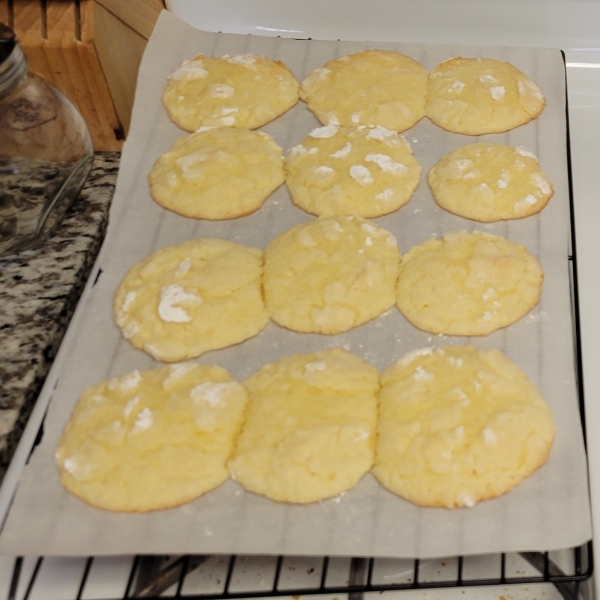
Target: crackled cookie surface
x,y
490,182
373,87
468,283
367,172
309,429
481,95
187,299
458,425
152,439
245,90
217,174
330,275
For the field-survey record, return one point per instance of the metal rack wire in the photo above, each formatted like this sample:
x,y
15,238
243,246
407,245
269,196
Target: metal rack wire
x,y
181,577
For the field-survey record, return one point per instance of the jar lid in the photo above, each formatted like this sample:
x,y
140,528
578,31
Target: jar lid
x,y
13,64
8,41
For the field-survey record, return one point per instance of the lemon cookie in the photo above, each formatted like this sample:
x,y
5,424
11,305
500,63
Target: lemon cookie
x,y
468,283
246,90
187,299
330,275
458,425
373,87
309,429
217,174
490,182
367,172
152,439
481,95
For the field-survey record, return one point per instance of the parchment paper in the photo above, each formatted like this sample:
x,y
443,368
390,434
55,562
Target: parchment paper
x,y
549,510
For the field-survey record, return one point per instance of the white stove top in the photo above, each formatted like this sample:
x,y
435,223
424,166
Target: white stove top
x,y
567,24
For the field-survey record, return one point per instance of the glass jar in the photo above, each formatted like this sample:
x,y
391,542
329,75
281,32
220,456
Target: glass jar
x,y
46,152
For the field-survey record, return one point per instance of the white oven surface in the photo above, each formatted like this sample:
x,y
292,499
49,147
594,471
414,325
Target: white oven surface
x,y
568,24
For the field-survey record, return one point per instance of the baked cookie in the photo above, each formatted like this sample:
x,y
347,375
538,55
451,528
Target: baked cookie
x,y
187,299
373,87
490,182
366,172
152,439
481,95
458,425
309,429
330,275
468,283
217,174
246,90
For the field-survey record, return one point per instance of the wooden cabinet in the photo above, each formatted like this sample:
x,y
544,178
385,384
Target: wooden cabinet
x,y
90,50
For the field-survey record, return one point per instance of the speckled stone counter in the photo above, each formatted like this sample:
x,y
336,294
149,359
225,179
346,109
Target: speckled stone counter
x,y
38,294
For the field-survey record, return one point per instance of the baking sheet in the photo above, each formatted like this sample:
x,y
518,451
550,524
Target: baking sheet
x,y
550,510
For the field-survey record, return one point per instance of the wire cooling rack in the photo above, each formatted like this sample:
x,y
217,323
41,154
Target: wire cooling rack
x,y
225,577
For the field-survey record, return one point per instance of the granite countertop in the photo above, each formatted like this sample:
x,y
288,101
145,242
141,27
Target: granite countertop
x,y
39,290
